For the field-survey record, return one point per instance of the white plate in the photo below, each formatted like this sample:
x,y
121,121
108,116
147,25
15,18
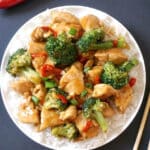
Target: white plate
x,y
117,124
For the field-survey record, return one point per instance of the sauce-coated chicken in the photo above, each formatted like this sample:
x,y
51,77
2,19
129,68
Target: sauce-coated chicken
x,y
72,81
90,22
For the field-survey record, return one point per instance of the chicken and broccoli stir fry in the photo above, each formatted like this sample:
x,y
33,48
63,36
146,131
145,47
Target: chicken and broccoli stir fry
x,y
72,77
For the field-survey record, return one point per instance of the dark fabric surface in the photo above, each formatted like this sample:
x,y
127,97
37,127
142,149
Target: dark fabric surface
x,y
134,14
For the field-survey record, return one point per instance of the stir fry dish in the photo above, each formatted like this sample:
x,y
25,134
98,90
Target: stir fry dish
x,y
73,76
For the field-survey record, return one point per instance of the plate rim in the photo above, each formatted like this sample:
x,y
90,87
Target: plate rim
x,y
130,121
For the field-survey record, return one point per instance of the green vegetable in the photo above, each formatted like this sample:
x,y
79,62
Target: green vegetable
x,y
90,38
102,45
113,76
61,50
93,40
67,130
84,93
89,85
35,100
50,84
74,102
18,61
121,43
92,108
72,31
128,65
86,69
60,91
45,78
108,44
31,75
101,120
52,101
19,64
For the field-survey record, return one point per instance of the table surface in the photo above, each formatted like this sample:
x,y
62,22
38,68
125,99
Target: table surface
x,y
134,14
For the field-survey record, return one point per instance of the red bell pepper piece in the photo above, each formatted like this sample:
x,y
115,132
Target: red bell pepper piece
x,y
82,59
62,98
46,28
9,3
80,33
42,101
39,54
96,79
115,43
88,125
48,69
132,81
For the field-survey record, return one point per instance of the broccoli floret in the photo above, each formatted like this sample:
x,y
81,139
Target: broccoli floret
x,y
19,64
128,65
52,101
17,61
67,130
113,76
92,108
89,39
93,40
61,50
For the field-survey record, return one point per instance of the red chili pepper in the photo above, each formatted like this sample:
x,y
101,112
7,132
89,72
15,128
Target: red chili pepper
x,y
48,69
62,98
57,71
42,101
46,28
9,3
96,79
88,125
39,54
115,43
80,33
82,59
132,81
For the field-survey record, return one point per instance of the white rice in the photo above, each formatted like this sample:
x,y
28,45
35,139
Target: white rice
x,y
117,124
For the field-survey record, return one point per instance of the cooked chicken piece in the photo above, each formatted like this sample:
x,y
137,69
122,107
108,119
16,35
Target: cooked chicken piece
x,y
89,63
35,47
59,16
114,55
117,56
23,86
78,65
108,111
69,114
94,72
37,62
40,34
102,57
38,49
103,91
64,21
81,122
72,81
74,87
28,113
65,27
39,91
49,118
123,98
90,22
